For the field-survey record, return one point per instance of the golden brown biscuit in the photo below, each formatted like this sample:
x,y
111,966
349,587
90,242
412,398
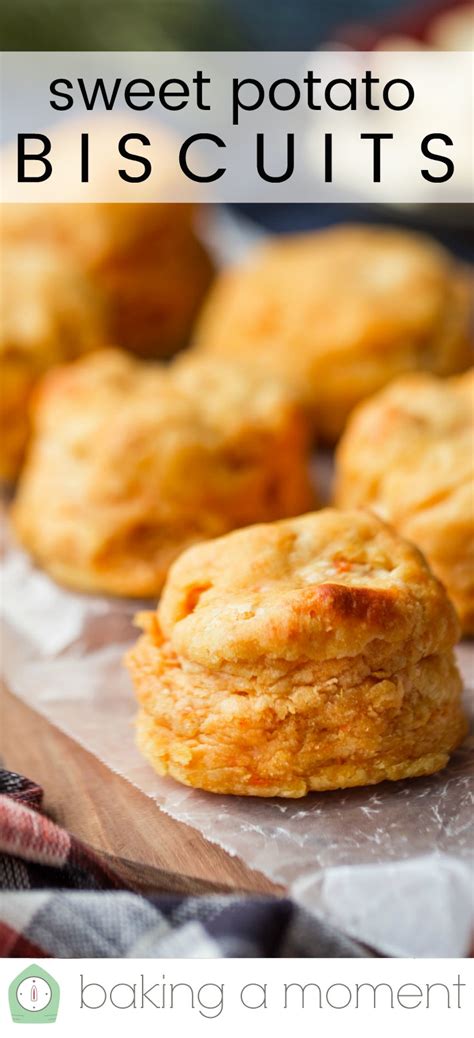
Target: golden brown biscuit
x,y
308,654
143,263
408,454
145,260
131,462
341,312
47,315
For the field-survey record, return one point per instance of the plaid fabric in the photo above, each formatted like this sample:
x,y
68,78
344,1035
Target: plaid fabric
x,y
59,900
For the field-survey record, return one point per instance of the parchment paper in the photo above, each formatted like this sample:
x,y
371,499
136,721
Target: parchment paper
x,y
390,865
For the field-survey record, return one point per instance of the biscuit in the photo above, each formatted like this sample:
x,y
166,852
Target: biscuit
x,y
341,312
130,462
309,654
145,260
48,315
420,477
147,265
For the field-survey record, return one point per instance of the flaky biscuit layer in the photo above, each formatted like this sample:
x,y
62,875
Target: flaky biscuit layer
x,y
220,736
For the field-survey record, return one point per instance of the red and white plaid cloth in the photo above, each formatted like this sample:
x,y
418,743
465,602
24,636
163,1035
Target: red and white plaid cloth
x,y
59,900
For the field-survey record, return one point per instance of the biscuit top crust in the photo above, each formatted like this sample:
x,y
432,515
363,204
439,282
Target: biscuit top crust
x,y
231,393
322,586
424,427
391,283
106,413
421,405
111,394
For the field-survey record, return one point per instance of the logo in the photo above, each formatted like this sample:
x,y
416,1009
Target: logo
x,y
34,997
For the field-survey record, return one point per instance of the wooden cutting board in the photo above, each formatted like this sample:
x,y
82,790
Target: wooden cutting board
x,y
150,850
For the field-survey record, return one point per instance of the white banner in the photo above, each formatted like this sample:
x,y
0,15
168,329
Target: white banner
x,y
231,997
237,126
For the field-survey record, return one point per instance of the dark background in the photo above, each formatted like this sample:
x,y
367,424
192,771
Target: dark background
x,y
198,24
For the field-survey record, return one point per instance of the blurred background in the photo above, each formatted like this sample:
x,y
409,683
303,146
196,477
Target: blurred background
x,y
253,25
206,24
